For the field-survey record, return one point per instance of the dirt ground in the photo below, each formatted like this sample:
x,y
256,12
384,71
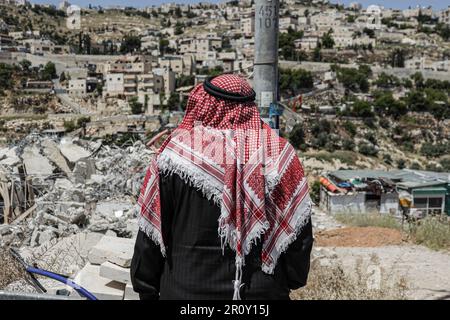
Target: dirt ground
x,y
359,237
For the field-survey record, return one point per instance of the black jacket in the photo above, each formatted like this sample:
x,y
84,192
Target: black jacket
x,y
195,267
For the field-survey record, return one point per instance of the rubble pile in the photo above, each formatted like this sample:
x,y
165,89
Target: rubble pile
x,y
78,185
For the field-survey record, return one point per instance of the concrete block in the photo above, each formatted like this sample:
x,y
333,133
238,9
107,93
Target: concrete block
x,y
113,249
112,208
69,254
72,152
114,272
130,294
35,163
51,150
102,288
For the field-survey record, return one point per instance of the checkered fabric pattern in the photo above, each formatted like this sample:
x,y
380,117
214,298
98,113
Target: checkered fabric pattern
x,y
226,151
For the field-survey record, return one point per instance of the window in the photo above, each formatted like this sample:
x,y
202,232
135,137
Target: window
x,y
420,202
435,202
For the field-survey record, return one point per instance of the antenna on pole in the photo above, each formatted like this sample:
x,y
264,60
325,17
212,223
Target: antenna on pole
x,y
265,72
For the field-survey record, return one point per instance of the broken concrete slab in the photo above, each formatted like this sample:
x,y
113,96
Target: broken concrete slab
x,y
68,255
112,208
58,206
35,163
72,152
63,184
112,249
114,272
51,150
102,288
83,170
8,157
130,294
96,179
133,228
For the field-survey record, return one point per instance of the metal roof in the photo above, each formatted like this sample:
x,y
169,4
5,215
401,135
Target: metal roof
x,y
406,178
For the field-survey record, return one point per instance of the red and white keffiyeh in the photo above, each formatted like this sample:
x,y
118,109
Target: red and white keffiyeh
x,y
254,176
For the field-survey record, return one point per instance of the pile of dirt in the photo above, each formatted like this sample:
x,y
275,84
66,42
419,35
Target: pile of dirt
x,y
359,237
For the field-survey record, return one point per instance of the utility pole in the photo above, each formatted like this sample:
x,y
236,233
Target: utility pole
x,y
265,71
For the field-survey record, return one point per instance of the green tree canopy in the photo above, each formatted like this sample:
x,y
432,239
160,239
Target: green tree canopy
x,y
327,40
292,82
48,72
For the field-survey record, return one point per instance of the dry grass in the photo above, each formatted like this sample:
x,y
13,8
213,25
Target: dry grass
x,y
432,232
368,220
328,281
10,269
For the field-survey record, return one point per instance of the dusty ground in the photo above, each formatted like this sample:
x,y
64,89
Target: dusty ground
x,y
359,237
426,271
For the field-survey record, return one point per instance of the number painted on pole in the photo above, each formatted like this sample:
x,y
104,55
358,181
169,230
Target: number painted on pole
x,y
268,16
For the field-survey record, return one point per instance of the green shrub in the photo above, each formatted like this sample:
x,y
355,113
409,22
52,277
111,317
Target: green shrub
x,y
445,163
435,150
350,127
70,125
401,164
367,149
348,144
315,192
387,158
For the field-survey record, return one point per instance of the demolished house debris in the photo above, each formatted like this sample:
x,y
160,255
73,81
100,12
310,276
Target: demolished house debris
x,y
53,190
359,191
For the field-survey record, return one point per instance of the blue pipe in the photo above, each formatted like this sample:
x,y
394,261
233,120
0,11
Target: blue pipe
x,y
83,292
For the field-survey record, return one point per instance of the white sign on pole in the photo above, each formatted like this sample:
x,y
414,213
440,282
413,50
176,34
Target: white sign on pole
x,y
266,99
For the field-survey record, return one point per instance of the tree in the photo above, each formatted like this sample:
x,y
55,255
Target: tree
x,y
5,76
418,80
173,102
386,81
130,44
361,109
369,32
48,72
62,77
416,101
438,103
297,136
178,12
211,72
286,43
179,28
292,82
25,65
184,80
385,104
164,46
398,58
327,40
354,79
443,30
317,55
136,107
